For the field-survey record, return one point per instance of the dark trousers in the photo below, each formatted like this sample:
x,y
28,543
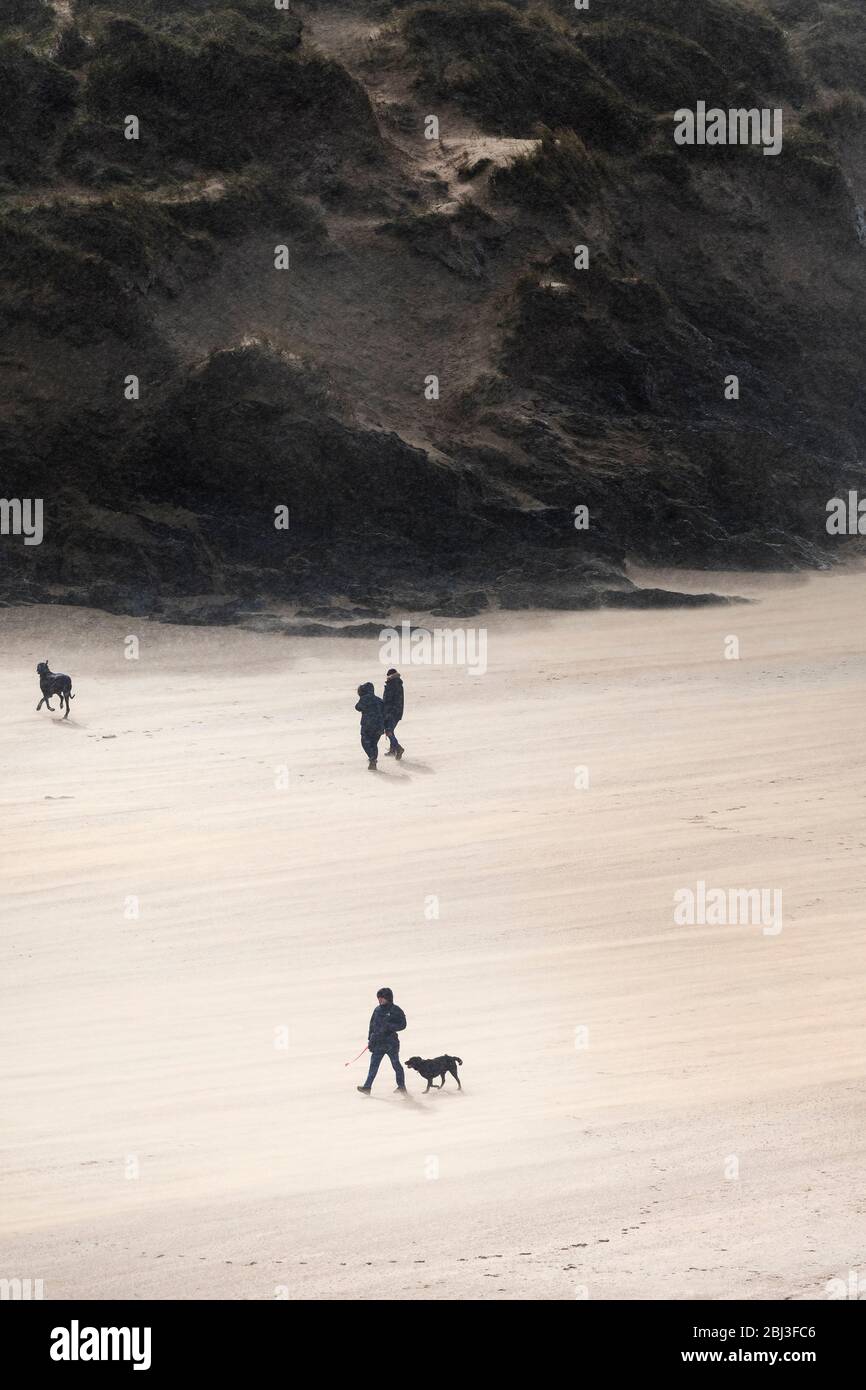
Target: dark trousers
x,y
370,743
392,1052
391,734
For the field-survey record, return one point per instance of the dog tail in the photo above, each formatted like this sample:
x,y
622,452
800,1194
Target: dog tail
x,y
459,1061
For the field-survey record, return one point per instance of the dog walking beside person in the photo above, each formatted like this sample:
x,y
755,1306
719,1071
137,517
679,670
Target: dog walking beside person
x,y
392,700
387,1021
372,722
431,1067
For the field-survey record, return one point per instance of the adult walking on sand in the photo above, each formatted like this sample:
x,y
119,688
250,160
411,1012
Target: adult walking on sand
x,y
392,700
387,1021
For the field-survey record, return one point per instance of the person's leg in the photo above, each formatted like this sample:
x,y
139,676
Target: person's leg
x,y
392,737
394,1056
370,746
376,1055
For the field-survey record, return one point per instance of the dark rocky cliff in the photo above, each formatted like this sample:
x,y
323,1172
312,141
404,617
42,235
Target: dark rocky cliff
x,y
411,259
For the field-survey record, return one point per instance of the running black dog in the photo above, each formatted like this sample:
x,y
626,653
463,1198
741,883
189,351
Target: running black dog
x,y
53,683
436,1066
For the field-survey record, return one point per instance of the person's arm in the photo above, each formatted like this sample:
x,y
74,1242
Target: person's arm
x,y
398,1020
358,707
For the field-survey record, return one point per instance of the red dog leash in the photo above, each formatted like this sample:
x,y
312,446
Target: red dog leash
x,y
360,1054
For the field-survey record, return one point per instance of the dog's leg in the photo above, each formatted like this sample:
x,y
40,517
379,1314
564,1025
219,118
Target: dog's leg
x,y
66,715
41,703
47,706
428,1088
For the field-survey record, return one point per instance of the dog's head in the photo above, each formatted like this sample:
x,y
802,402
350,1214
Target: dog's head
x,y
42,668
413,1063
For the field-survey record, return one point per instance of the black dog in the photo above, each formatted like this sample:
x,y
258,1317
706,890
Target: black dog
x,y
53,683
436,1066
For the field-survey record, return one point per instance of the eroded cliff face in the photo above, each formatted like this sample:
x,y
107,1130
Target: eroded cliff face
x,y
283,295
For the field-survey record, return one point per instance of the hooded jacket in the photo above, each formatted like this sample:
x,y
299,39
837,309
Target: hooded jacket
x,y
386,1022
371,710
392,699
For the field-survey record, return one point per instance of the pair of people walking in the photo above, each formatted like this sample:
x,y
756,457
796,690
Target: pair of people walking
x,y
387,1022
381,716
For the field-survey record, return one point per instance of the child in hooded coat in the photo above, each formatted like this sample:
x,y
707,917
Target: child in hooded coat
x,y
372,722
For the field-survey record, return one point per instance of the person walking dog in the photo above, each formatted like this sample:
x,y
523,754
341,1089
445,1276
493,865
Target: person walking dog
x,y
387,1021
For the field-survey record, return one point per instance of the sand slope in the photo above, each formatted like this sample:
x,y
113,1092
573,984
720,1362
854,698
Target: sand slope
x,y
150,1046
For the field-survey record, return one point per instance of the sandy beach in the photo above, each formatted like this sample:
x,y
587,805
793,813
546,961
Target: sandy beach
x,y
203,887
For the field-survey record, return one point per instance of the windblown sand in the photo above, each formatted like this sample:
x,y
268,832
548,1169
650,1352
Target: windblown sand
x,y
650,1110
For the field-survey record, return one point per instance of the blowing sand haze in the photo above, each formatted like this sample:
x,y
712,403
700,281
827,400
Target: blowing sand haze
x,y
432,441
650,1110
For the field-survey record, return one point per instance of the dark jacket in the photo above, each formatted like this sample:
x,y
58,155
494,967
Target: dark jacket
x,y
392,699
371,710
387,1021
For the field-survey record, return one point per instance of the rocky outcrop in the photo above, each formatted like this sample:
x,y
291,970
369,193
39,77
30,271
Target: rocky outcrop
x,y
438,406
